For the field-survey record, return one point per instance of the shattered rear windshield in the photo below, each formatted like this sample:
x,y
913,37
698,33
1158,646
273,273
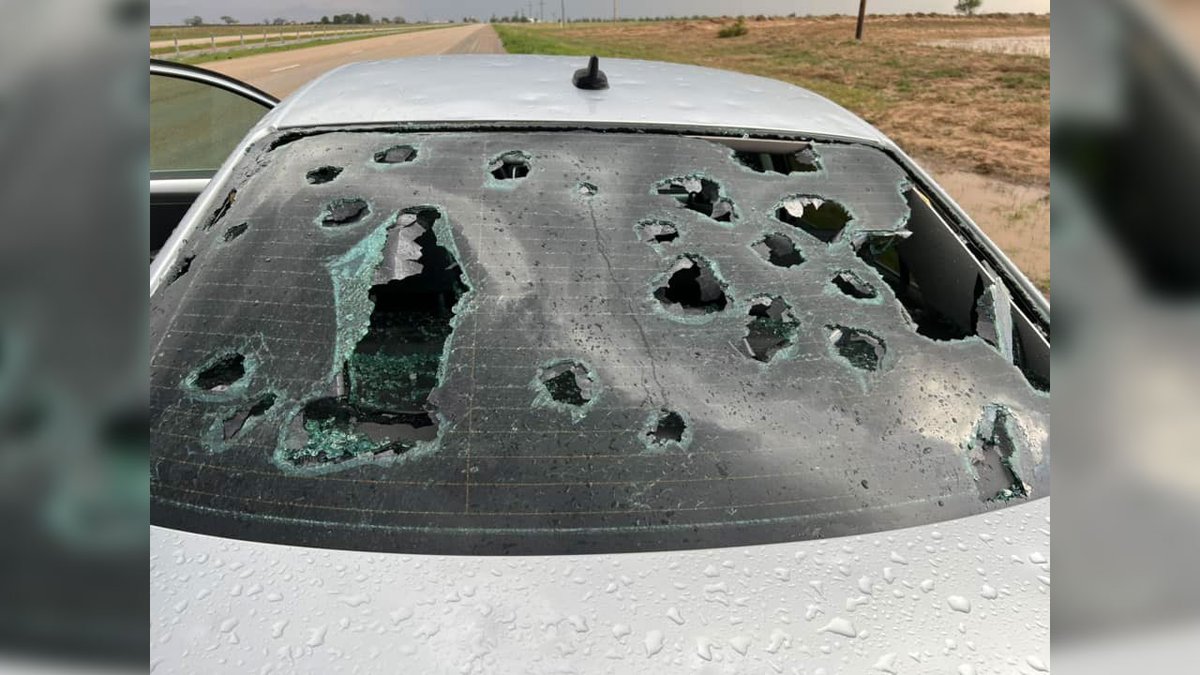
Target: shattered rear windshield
x,y
561,342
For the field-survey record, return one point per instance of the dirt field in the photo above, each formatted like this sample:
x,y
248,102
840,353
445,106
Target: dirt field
x,y
1015,216
978,120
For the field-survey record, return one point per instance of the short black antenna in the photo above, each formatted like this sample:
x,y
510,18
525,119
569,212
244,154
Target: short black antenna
x,y
591,77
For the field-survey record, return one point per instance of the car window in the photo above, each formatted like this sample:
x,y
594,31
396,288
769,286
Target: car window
x,y
195,125
558,342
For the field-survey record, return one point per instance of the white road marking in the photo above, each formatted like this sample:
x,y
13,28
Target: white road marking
x,y
280,70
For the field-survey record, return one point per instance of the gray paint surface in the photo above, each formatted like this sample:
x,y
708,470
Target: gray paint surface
x,y
966,597
510,88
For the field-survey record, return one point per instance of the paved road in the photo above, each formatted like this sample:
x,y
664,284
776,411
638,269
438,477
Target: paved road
x,y
281,73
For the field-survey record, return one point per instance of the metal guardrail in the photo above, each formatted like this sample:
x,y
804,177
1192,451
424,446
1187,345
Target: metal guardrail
x,y
212,44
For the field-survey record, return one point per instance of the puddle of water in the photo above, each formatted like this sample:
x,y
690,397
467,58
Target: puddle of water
x,y
1025,45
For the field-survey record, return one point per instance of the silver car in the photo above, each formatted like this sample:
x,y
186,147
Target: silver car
x,y
500,364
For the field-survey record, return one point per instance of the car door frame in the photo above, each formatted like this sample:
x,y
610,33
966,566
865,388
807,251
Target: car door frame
x,y
185,187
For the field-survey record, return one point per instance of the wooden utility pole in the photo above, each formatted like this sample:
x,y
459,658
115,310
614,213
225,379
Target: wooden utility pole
x,y
862,15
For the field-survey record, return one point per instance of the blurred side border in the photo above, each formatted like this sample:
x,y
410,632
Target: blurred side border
x,y
73,375
1125,130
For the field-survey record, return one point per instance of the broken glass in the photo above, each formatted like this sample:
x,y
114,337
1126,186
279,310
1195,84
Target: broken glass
x,y
323,174
586,357
700,194
779,250
824,219
804,160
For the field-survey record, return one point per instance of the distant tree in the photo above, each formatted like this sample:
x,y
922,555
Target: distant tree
x,y
967,7
229,20
399,19
279,21
194,21
325,20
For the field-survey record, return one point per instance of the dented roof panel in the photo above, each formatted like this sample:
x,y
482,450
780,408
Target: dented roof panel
x,y
521,89
498,345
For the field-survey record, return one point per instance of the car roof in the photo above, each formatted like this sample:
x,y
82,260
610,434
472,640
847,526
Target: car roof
x,y
538,89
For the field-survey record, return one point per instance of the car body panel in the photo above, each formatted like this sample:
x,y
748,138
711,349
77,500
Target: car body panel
x,y
538,89
964,596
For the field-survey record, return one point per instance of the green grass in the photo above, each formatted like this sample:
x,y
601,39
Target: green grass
x,y
519,41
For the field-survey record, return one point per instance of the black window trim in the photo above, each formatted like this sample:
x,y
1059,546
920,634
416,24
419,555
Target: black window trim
x,y
211,77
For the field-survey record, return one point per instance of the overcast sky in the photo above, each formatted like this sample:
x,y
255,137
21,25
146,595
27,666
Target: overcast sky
x,y
174,11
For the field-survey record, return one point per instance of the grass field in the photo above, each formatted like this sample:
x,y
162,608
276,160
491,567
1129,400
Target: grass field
x,y
979,119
